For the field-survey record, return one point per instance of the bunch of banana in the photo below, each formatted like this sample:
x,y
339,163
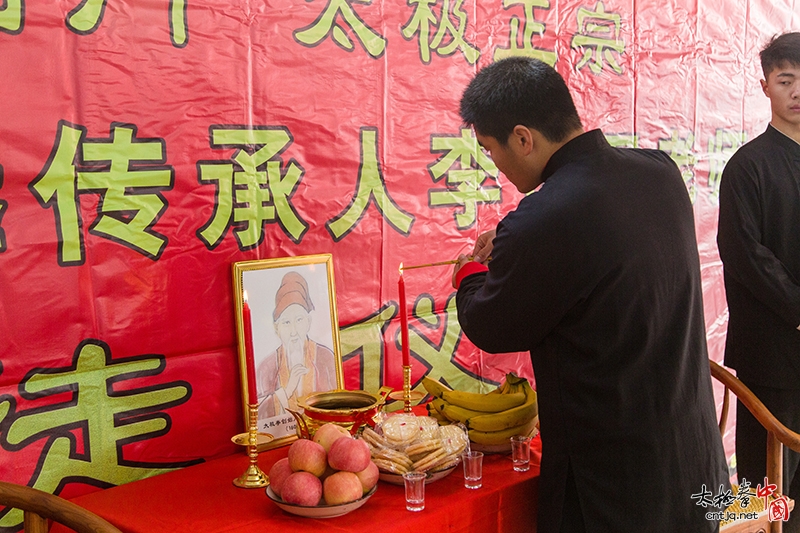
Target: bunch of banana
x,y
491,418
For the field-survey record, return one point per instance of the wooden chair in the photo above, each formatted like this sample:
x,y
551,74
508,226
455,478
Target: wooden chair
x,y
778,436
38,506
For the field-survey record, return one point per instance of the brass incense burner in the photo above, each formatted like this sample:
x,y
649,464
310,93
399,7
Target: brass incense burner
x,y
351,409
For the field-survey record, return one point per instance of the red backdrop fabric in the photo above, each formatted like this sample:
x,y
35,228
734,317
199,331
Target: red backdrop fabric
x,y
146,146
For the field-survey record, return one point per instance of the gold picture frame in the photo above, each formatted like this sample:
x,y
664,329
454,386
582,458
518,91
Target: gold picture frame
x,y
295,336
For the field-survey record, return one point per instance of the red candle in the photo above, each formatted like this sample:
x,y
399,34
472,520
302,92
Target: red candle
x,y
403,319
252,391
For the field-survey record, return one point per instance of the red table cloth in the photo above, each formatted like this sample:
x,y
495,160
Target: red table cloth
x,y
203,499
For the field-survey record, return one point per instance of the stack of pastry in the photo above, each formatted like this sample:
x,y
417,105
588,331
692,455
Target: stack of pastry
x,y
407,443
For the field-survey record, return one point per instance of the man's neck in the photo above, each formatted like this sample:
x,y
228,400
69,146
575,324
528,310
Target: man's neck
x,y
571,135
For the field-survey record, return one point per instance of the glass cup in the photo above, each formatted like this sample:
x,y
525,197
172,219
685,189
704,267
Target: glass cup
x,y
521,452
415,490
473,469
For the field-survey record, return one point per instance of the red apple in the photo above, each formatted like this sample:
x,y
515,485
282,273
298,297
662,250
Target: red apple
x,y
369,477
341,487
307,456
278,474
351,455
328,433
301,488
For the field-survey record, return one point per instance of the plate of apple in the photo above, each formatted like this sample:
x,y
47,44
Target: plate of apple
x,y
328,475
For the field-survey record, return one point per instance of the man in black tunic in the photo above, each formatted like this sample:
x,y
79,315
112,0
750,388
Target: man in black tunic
x,y
759,244
597,274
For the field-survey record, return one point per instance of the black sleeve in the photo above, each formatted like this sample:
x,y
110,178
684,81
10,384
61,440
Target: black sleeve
x,y
534,278
739,238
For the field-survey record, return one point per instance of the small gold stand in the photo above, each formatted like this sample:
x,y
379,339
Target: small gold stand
x,y
253,477
407,395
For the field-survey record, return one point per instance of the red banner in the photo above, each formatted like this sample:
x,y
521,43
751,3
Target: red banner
x,y
146,146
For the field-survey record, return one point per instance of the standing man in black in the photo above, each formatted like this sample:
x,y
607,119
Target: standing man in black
x,y
759,244
597,274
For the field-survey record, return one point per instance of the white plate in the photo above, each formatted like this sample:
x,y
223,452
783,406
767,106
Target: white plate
x,y
320,511
397,479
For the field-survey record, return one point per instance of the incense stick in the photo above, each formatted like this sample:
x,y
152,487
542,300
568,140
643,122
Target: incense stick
x,y
438,263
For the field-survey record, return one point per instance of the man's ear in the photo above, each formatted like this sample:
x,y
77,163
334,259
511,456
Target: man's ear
x,y
765,87
522,139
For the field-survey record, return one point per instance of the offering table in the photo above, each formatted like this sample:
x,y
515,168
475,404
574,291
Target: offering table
x,y
203,499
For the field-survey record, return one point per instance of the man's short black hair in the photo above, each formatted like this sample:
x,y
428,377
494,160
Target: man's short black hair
x,y
519,90
781,51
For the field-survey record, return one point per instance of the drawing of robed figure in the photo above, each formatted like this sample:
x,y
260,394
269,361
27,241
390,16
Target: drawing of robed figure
x,y
299,366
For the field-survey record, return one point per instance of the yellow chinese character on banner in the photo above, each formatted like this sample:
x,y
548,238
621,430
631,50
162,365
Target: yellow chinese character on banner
x,y
87,16
623,140
82,435
423,21
328,24
253,188
531,26
720,148
680,149
433,339
11,17
370,188
437,346
599,34
127,172
465,185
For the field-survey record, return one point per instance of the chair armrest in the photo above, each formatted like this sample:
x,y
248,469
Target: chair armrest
x,y
756,407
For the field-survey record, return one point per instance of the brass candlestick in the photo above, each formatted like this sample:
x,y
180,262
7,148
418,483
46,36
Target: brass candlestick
x,y
253,477
407,395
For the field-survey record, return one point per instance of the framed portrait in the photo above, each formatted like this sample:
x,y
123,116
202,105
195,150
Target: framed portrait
x,y
295,336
